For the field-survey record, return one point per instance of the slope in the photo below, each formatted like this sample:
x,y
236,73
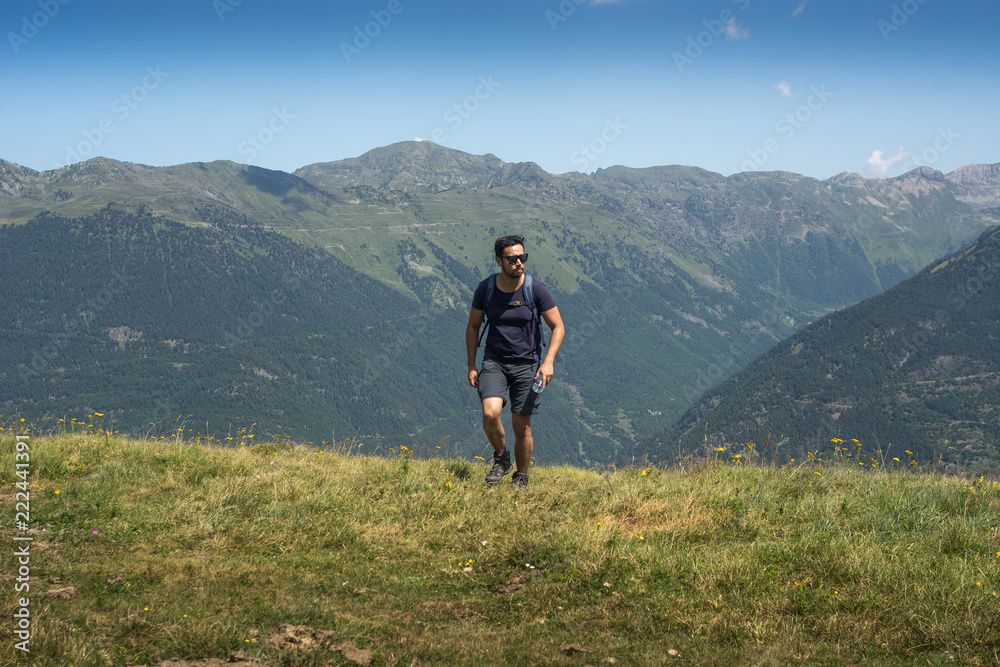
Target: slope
x,y
914,369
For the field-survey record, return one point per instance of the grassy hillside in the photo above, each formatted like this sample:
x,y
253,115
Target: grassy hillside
x,y
147,550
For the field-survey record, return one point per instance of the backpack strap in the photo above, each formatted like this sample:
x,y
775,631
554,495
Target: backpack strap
x,y
491,284
529,296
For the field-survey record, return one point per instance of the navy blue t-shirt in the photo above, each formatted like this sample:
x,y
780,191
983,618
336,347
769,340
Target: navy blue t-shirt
x,y
512,332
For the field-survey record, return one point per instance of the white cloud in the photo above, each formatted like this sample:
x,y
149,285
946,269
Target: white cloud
x,y
878,165
798,9
734,30
785,89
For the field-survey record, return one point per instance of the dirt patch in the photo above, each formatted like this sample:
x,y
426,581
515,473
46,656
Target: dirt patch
x,y
287,638
62,593
301,638
37,530
235,659
356,655
513,586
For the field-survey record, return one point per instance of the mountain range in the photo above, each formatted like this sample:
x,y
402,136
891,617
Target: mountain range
x,y
669,278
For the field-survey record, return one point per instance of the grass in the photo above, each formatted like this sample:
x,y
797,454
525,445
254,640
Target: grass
x,y
195,551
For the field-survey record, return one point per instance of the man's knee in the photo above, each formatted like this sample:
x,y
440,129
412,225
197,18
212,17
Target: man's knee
x,y
492,410
492,422
521,424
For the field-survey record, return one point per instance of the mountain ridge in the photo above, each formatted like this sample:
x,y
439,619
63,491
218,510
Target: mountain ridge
x,y
388,158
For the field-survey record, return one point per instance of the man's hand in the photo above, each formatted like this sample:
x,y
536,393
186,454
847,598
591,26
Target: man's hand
x,y
554,320
472,342
546,370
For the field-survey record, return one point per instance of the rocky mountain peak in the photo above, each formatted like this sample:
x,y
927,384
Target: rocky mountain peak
x,y
975,175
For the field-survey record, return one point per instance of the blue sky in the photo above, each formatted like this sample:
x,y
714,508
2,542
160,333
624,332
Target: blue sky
x,y
811,87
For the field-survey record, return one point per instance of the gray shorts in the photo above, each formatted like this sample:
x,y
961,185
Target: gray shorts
x,y
496,378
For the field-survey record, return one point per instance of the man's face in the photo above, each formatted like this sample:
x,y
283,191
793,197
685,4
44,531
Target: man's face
x,y
515,270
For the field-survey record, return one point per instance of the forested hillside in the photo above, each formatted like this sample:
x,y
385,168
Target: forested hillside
x,y
155,324
915,369
159,325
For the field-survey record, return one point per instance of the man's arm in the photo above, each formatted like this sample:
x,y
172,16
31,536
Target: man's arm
x,y
472,343
554,320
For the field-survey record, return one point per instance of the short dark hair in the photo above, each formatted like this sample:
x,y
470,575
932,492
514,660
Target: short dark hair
x,y
506,242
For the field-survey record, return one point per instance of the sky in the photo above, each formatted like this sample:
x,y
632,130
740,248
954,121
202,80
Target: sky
x,y
807,86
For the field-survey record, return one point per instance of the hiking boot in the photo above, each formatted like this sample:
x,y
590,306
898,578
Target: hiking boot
x,y
519,482
501,468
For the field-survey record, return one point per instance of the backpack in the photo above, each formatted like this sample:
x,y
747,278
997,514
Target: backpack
x,y
529,297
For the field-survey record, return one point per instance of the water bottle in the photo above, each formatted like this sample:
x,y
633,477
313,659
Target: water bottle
x,y
537,386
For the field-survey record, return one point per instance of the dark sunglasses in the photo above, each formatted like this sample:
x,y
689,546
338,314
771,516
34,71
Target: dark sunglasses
x,y
512,259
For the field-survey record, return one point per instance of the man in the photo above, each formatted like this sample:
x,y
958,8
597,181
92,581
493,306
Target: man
x,y
511,356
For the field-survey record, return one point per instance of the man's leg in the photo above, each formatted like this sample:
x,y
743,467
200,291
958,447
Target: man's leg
x,y
494,431
523,443
492,425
